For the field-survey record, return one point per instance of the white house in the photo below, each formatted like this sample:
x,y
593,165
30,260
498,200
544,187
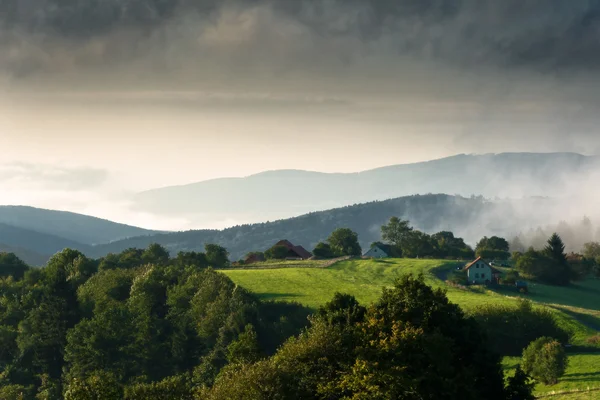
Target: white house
x,y
480,272
376,252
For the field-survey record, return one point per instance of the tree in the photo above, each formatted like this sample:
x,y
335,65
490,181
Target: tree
x,y
216,256
539,266
395,231
527,323
591,250
510,278
418,244
545,360
520,386
155,254
412,343
493,248
99,385
278,252
323,250
493,243
11,265
191,258
344,242
245,348
555,249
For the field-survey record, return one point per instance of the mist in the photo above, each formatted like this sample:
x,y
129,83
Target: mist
x,y
151,94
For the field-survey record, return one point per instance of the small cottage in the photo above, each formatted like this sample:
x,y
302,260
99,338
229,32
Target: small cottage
x,y
377,251
480,272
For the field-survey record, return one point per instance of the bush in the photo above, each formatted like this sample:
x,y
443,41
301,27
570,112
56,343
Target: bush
x,y
510,278
545,360
458,277
520,386
278,252
323,250
526,325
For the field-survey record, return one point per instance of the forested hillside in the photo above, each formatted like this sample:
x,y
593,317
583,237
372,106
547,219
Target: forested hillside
x,y
71,226
36,242
430,213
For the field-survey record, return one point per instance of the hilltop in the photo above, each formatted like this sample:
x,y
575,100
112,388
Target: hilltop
x,y
286,193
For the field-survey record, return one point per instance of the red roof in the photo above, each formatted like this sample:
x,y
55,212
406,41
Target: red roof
x,y
494,271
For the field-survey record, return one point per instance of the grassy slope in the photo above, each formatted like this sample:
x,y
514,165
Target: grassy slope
x,y
577,307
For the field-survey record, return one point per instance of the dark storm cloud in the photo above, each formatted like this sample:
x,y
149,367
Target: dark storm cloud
x,y
544,35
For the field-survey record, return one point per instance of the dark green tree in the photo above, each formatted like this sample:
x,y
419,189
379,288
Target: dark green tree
x,y
245,348
520,386
344,242
11,265
216,256
278,252
187,258
155,254
323,250
395,231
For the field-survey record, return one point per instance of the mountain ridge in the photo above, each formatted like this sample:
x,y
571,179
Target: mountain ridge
x,y
72,226
287,193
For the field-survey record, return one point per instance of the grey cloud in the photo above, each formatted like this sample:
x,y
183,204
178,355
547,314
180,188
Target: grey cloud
x,y
276,36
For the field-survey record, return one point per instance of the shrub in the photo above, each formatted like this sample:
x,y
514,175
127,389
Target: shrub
x,y
278,252
545,360
593,340
526,325
323,250
510,278
520,386
458,277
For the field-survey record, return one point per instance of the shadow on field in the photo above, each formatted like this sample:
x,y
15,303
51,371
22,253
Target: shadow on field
x,y
275,296
582,376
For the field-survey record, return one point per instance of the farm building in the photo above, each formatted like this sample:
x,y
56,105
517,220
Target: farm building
x,y
481,272
294,252
254,258
378,251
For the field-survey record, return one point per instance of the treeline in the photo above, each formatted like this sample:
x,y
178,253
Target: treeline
x,y
139,323
144,325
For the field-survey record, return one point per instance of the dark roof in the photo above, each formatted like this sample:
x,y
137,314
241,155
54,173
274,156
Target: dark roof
x,y
299,250
302,252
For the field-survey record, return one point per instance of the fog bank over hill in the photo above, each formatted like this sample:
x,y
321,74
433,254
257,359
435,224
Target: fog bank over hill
x,y
566,178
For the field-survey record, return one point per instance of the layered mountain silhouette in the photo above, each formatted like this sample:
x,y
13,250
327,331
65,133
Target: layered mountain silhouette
x,y
286,193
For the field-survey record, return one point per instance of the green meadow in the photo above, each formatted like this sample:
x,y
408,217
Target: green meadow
x,y
576,307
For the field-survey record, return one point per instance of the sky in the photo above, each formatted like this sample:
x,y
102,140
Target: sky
x,y
94,109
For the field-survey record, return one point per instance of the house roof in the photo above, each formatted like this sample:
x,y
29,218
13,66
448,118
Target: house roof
x,y
299,250
302,252
494,270
383,247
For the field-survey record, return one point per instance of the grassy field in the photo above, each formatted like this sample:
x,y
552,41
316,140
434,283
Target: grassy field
x,y
576,307
315,286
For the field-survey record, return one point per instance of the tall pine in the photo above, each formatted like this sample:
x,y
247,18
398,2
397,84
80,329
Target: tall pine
x,y
555,250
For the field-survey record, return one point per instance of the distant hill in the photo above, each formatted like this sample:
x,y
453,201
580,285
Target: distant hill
x,y
470,218
30,257
76,227
285,193
26,243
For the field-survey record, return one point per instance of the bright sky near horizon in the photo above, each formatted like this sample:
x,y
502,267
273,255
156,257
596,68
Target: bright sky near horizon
x,y
85,123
